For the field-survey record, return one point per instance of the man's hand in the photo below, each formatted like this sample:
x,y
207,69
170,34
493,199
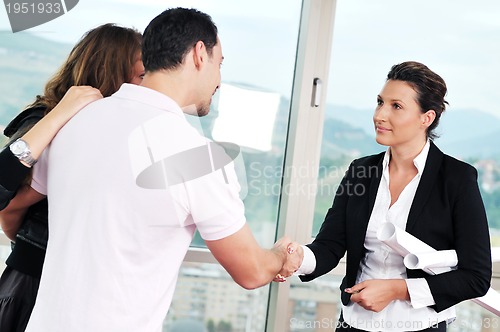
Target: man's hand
x,y
294,256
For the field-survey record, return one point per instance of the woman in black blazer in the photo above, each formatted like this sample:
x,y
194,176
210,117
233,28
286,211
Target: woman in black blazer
x,y
418,188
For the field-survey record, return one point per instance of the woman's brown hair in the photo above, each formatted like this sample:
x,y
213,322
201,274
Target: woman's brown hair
x,y
103,58
429,86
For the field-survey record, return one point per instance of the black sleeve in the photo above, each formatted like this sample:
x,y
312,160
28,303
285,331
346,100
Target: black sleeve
x,y
472,243
12,175
329,246
12,171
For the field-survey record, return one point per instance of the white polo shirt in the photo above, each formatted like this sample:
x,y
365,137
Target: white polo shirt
x,y
128,182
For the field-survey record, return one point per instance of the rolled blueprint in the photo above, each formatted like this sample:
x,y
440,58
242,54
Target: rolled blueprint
x,y
401,241
425,260
406,244
495,254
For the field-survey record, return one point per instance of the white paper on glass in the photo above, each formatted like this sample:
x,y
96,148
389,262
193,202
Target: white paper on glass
x,y
246,117
406,244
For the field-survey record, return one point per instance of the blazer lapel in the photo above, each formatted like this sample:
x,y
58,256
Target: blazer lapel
x,y
374,184
432,166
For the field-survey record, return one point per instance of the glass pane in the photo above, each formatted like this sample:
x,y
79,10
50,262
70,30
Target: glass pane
x,y
461,45
314,306
472,317
206,297
26,63
364,49
251,108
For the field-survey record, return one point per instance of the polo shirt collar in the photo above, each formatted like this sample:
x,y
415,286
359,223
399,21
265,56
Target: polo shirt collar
x,y
149,97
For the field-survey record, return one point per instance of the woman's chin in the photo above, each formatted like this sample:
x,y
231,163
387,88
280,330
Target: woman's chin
x,y
381,141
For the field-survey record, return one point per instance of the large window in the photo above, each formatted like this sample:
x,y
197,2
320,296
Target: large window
x,y
458,42
455,39
251,110
288,170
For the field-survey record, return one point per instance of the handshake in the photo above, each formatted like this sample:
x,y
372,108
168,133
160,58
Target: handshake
x,y
293,254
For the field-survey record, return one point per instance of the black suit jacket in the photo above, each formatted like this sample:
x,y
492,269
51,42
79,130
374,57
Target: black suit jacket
x,y
447,213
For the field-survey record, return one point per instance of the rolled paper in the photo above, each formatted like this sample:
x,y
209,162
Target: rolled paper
x,y
407,245
437,258
495,254
401,241
404,243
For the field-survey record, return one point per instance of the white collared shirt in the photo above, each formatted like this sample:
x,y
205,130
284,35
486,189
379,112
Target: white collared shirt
x,y
381,262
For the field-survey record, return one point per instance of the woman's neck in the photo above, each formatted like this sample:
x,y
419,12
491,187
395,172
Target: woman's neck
x,y
402,156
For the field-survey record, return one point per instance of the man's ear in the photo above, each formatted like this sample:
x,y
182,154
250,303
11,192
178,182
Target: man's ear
x,y
428,118
199,54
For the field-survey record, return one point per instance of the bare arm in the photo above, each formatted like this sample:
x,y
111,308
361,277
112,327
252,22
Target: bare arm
x,y
42,133
12,216
38,137
248,264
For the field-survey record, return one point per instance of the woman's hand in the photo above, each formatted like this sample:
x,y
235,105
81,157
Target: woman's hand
x,y
294,258
76,98
375,295
44,131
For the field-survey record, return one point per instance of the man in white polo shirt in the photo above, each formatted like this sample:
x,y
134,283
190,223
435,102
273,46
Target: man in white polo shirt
x,y
128,182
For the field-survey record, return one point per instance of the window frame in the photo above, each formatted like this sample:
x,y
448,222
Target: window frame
x,y
303,144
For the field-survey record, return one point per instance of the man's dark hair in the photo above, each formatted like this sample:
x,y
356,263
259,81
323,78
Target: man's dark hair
x,y
172,34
